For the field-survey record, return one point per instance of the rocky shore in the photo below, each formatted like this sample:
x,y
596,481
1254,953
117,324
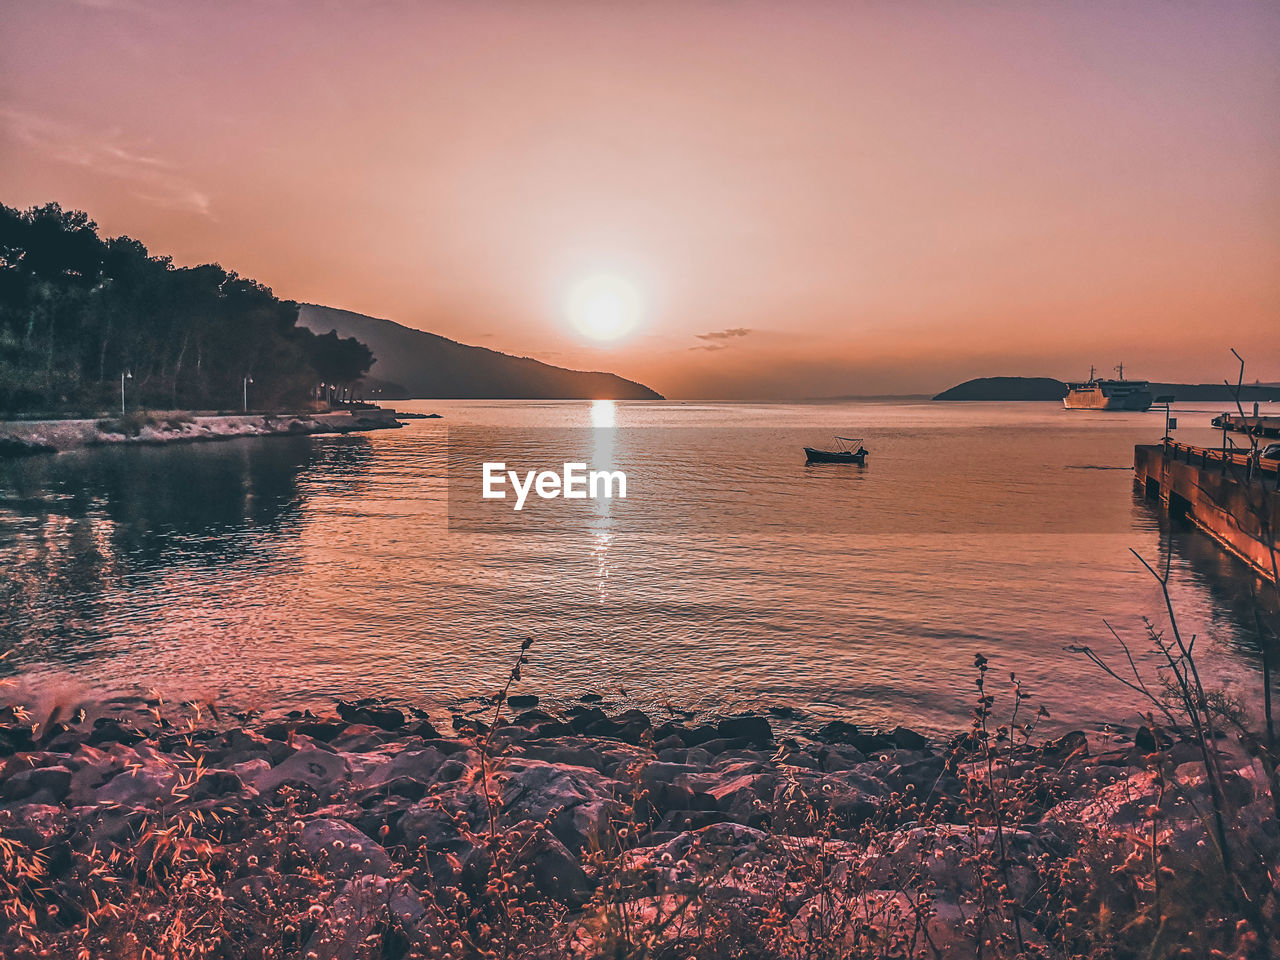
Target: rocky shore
x,y
27,437
523,831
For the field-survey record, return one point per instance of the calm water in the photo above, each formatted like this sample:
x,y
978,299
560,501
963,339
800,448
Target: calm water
x,y
292,570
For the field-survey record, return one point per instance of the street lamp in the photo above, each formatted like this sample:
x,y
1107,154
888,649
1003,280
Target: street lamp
x,y
1170,423
247,380
124,375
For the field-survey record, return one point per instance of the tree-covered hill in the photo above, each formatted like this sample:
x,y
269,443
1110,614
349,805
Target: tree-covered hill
x,y
78,311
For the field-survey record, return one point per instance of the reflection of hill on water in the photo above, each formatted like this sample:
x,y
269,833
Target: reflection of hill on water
x,y
73,526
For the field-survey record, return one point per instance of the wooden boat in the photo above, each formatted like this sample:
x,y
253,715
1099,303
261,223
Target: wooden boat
x,y
848,450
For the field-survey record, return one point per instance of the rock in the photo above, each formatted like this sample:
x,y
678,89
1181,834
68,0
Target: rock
x,y
1069,746
250,770
747,727
849,799
35,824
720,844
839,757
522,701
215,783
371,713
1149,741
908,739
319,730
370,910
697,736
142,786
55,782
747,799
584,720
629,726
684,821
454,853
590,698
553,871
112,730
16,738
343,849
314,768
577,802
420,765
922,775
425,729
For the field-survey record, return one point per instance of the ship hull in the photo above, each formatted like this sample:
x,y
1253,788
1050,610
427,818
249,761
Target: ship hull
x,y
1096,400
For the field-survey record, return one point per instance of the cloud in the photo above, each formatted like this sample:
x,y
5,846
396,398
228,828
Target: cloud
x,y
719,338
727,334
150,178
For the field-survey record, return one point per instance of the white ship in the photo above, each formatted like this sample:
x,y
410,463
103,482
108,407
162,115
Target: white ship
x,y
1101,394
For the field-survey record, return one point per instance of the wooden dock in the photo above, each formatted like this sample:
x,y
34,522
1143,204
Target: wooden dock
x,y
1227,494
1258,426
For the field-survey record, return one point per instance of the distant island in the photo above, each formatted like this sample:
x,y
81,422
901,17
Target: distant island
x,y
415,364
1046,388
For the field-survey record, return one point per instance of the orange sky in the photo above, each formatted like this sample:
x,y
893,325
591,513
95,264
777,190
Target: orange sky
x,y
890,197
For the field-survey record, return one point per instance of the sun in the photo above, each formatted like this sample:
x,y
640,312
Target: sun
x,y
604,307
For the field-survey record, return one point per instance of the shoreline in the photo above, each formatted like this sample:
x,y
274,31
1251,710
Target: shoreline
x,y
370,822
30,437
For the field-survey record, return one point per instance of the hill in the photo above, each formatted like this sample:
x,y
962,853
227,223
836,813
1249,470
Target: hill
x,y
413,363
90,323
1006,388
1046,388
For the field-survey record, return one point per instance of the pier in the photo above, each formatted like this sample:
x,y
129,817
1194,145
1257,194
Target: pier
x,y
1259,426
1226,493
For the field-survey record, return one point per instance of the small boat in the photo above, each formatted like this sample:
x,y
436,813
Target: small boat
x,y
849,451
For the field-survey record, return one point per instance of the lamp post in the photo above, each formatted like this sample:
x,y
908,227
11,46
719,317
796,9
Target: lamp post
x,y
124,375
247,380
1170,423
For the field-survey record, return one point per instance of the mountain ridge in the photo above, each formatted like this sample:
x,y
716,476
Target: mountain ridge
x,y
417,364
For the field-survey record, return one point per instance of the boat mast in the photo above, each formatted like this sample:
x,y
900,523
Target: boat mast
x,y
1120,370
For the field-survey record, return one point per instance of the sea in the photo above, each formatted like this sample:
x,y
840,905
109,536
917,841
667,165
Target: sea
x,y
285,572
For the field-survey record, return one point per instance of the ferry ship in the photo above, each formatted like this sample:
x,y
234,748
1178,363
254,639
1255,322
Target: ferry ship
x,y
1101,394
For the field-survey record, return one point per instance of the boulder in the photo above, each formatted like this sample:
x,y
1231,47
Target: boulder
x,y
113,730
907,739
317,769
839,757
141,786
420,765
577,802
370,909
343,849
753,729
455,853
746,799
320,730
54,781
16,738
215,783
372,713
548,865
